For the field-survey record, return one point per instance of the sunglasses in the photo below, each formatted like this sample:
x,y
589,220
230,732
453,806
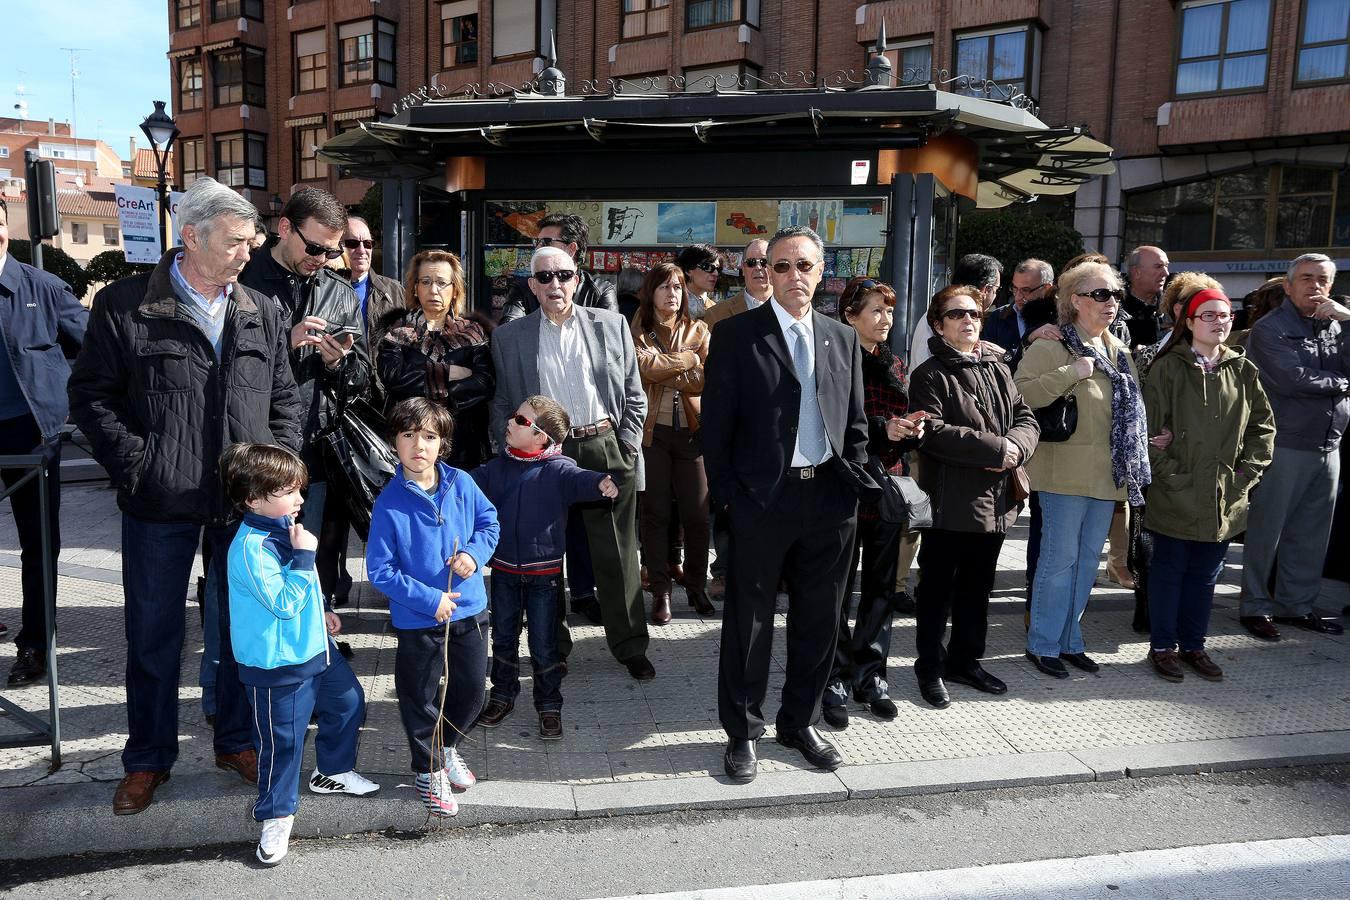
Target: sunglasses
x,y
952,315
526,423
1212,316
313,249
709,267
782,267
1101,295
353,243
563,276
548,242
756,262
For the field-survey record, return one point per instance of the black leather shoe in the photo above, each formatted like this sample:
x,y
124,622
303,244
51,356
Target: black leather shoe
x,y
883,708
588,607
640,667
1081,661
813,748
1260,627
1050,665
28,668
935,693
739,760
835,716
1312,622
979,679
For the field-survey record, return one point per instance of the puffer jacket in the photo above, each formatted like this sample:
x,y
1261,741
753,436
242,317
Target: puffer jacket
x,y
973,407
1223,435
330,297
1080,466
158,407
671,360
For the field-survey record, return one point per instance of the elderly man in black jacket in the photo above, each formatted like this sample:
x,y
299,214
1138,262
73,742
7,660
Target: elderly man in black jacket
x,y
328,349
40,319
179,364
569,233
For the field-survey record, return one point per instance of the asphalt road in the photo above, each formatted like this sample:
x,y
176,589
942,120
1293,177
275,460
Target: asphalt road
x,y
690,851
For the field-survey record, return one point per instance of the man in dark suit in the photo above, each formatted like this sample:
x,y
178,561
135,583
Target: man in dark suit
x,y
1005,325
784,443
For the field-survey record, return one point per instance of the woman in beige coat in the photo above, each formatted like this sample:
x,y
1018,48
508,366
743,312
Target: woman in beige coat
x,y
1081,479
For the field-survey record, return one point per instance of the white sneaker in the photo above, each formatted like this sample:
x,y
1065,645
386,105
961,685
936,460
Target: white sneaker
x,y
347,783
461,779
275,840
436,794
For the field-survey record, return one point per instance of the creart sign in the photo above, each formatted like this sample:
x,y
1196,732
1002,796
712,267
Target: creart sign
x,y
138,218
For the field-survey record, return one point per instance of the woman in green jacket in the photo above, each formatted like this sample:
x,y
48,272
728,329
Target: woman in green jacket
x,y
1214,434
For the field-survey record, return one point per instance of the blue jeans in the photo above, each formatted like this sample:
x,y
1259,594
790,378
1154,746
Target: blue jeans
x,y
533,594
1073,530
1181,590
156,565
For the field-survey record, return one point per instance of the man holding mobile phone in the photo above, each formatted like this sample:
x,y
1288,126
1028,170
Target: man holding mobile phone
x,y
329,355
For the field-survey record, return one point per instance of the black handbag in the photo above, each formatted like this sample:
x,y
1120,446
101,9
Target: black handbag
x,y
359,460
1058,420
902,502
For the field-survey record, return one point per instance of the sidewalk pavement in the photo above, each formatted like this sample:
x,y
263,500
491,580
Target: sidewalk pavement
x,y
634,747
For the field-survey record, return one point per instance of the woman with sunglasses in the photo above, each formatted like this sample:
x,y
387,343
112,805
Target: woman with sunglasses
x,y
980,431
1212,425
1081,479
701,264
430,350
671,349
860,654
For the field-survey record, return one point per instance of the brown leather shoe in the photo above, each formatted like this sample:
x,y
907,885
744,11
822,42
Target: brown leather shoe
x,y
660,607
700,602
245,763
550,725
136,791
496,710
1165,664
717,588
1262,627
677,574
1205,667
646,578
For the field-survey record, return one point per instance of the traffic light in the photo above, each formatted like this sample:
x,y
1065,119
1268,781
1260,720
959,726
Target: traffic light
x,y
43,219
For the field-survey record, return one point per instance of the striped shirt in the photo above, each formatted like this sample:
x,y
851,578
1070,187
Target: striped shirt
x,y
565,371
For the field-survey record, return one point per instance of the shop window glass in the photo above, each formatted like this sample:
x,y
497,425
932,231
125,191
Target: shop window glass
x,y
1223,46
1178,218
459,34
311,61
1303,212
644,17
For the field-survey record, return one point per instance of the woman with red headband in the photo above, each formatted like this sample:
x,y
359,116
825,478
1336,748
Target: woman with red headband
x,y
1212,426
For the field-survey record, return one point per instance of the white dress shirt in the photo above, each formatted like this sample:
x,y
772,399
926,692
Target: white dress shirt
x,y
565,372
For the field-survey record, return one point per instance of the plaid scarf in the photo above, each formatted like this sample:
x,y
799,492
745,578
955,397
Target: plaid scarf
x,y
1129,428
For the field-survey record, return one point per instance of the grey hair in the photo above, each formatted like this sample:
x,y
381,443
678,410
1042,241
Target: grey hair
x,y
1132,261
794,231
1071,280
757,241
549,251
1046,270
1318,258
208,200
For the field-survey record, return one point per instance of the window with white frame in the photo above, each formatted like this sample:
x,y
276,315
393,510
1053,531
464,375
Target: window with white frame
x,y
111,235
645,17
311,60
1223,46
308,140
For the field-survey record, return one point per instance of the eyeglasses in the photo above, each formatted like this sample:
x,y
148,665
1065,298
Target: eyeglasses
x,y
353,243
953,315
563,276
431,284
548,242
755,262
1101,295
1212,316
1026,292
782,267
313,249
526,423
709,267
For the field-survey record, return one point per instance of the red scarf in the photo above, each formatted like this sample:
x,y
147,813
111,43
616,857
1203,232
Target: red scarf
x,y
549,451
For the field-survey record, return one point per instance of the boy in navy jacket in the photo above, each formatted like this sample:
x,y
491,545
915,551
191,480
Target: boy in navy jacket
x,y
279,630
532,484
431,532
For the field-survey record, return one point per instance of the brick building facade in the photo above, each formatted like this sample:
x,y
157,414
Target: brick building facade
x,y
1229,116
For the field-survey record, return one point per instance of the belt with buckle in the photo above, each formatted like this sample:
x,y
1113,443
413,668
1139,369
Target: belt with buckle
x,y
584,431
802,472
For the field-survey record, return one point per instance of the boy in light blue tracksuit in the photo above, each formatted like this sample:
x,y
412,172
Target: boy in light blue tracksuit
x,y
279,629
431,532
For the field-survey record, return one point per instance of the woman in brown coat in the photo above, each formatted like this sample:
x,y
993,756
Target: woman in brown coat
x,y
980,431
671,350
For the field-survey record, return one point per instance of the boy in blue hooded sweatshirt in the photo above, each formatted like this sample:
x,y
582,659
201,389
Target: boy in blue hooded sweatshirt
x,y
532,485
279,629
431,532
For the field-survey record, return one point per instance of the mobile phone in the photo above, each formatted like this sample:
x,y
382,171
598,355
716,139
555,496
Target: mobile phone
x,y
337,328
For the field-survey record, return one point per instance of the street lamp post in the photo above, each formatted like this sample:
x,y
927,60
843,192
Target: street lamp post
x,y
161,130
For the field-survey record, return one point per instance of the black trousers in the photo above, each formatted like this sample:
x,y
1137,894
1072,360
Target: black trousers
x,y
21,436
860,656
417,680
956,574
331,559
805,536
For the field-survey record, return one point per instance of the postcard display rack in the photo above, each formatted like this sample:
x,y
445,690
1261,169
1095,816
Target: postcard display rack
x,y
642,233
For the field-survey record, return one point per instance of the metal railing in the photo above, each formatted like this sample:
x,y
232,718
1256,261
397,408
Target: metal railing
x,y
40,732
